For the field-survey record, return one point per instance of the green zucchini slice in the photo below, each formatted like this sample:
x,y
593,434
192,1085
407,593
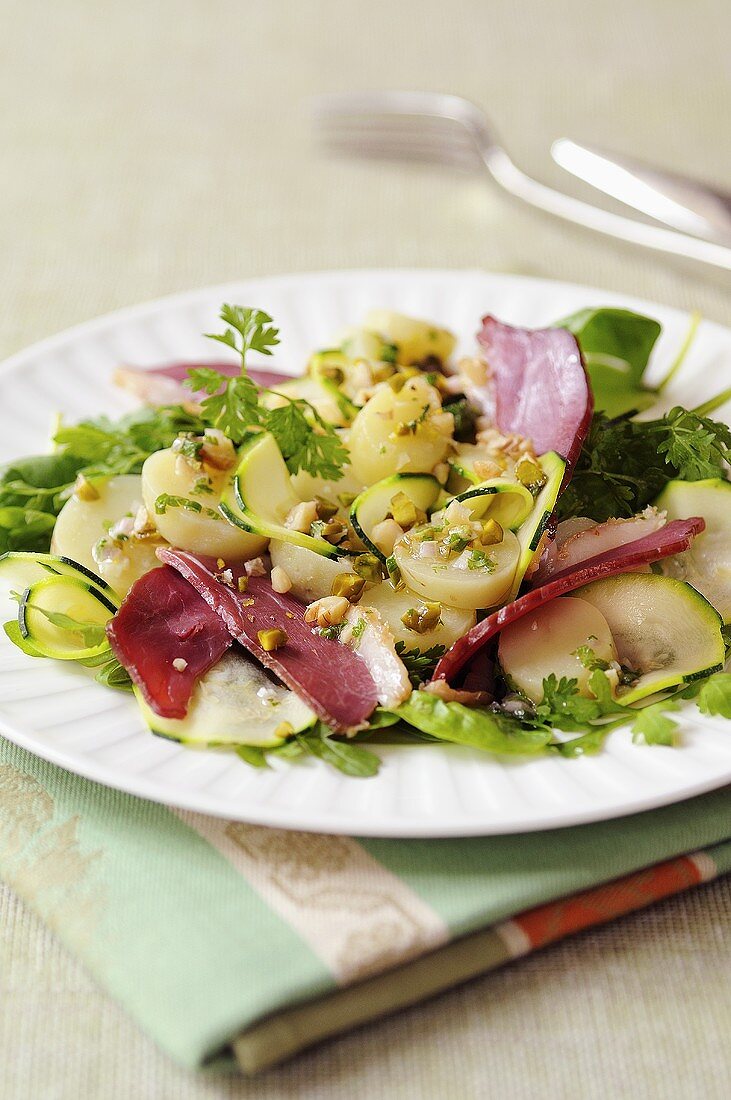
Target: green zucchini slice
x,y
531,530
260,497
665,631
24,569
707,564
375,503
507,502
65,618
234,704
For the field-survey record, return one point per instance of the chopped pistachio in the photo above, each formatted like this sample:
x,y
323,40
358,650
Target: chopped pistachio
x,y
423,618
405,512
272,639
492,533
243,583
84,489
349,585
346,499
334,531
284,730
368,567
530,474
325,508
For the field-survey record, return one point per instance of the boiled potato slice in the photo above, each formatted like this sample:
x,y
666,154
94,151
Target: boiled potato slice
x,y
400,431
549,640
200,532
311,574
392,605
82,531
416,341
475,577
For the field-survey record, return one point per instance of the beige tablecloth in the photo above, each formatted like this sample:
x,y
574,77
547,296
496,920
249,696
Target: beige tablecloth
x,y
152,147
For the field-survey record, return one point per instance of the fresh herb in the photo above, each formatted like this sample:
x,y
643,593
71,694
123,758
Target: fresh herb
x,y
465,418
305,439
616,345
168,500
653,726
479,559
91,634
348,758
624,464
114,675
714,696
419,664
589,659
477,727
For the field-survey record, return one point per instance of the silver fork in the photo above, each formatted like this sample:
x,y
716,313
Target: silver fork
x,y
446,129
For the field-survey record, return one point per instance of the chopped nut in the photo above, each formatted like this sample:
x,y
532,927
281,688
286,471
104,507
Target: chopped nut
x,y
180,664
476,370
386,534
144,526
349,585
442,422
485,468
220,563
84,489
325,508
327,611
492,533
226,577
280,579
243,583
334,531
423,618
302,516
368,567
217,451
405,512
270,640
284,730
441,472
255,568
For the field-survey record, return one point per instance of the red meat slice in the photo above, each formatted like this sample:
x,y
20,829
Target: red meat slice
x,y
161,620
674,538
540,387
327,675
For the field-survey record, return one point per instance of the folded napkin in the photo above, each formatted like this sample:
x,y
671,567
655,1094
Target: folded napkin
x,y
237,945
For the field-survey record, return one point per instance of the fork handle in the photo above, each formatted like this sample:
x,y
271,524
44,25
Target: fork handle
x,y
509,176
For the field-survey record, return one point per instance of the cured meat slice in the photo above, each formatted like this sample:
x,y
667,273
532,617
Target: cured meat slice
x,y
166,637
540,387
327,675
674,538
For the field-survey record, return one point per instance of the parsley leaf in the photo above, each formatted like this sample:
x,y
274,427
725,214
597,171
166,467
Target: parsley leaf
x,y
715,695
348,758
419,665
653,726
625,463
306,441
249,330
233,404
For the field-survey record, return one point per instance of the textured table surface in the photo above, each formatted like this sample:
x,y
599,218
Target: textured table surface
x,y
148,148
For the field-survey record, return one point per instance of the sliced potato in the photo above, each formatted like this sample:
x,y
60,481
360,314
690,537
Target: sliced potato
x,y
400,431
311,574
201,532
393,605
416,341
82,532
471,578
550,640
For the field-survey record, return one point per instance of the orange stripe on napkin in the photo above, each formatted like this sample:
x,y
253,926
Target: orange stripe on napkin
x,y
547,923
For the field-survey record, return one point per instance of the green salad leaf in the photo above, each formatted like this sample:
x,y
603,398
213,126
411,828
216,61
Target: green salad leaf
x,y
714,696
348,758
624,463
478,727
616,345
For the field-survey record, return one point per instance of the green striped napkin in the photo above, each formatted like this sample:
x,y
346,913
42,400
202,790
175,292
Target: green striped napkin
x,y
238,945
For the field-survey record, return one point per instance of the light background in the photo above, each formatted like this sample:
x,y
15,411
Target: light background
x,y
152,147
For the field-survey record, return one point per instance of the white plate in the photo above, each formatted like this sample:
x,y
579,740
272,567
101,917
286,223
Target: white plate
x,y
58,713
